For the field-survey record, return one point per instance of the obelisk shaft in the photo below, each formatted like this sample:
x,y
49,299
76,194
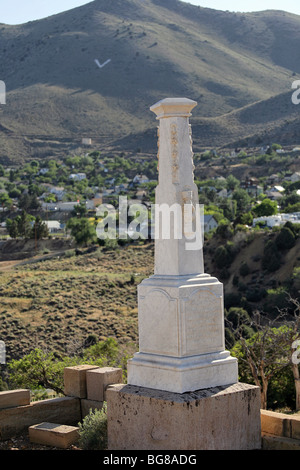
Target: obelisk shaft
x,y
178,244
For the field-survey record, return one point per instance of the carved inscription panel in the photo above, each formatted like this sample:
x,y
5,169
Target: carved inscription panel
x,y
203,330
158,323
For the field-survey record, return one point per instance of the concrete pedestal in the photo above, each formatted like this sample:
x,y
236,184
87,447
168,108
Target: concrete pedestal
x,y
217,418
181,335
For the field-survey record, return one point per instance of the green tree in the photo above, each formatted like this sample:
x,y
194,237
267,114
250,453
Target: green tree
x,y
83,230
50,198
244,219
29,202
39,229
265,208
242,199
5,200
80,210
262,356
285,239
12,228
232,182
39,368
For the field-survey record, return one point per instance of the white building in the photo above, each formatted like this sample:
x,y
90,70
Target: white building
x,y
77,176
53,225
278,219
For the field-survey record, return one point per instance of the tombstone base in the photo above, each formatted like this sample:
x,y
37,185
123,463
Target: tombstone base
x,y
182,374
217,418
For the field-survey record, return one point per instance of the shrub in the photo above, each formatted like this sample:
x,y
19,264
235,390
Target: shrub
x,y
244,269
93,430
271,257
237,316
225,255
232,300
285,239
224,229
255,294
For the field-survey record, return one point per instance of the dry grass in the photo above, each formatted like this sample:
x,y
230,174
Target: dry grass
x,y
58,303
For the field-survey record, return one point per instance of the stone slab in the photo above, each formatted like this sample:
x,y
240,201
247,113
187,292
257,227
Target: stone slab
x,y
98,379
87,405
270,442
280,424
218,418
275,423
15,421
75,380
54,435
295,427
13,398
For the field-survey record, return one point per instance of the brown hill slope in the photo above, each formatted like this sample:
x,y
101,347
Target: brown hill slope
x,y
57,94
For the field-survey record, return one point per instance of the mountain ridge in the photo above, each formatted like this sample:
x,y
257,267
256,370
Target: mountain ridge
x,y
157,48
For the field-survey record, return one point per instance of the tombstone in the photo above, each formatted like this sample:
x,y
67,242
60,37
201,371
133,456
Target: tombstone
x,y
180,308
2,92
182,371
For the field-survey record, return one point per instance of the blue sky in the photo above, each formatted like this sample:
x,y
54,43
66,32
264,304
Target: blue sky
x,y
21,11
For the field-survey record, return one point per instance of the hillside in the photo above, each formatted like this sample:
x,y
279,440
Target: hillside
x,y
234,65
61,299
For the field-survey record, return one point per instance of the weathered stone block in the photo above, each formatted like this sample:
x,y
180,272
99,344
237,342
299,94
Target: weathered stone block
x,y
275,423
279,443
14,421
295,428
75,380
98,380
87,405
54,435
12,398
218,418
280,424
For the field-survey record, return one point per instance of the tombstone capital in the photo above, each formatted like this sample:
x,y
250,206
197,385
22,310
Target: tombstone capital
x,y
173,107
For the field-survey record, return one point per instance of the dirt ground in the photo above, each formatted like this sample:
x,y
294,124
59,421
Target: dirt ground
x,y
23,443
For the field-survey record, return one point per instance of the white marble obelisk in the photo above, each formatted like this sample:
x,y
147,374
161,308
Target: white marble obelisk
x,y
180,308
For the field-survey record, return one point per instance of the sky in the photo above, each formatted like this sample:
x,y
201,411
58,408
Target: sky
x,y
22,11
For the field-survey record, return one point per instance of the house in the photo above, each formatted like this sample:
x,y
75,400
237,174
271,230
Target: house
x,y
278,219
251,186
59,206
53,226
58,191
272,179
140,179
254,190
86,141
210,222
274,195
275,192
67,206
141,194
295,177
77,176
278,188
223,193
43,171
